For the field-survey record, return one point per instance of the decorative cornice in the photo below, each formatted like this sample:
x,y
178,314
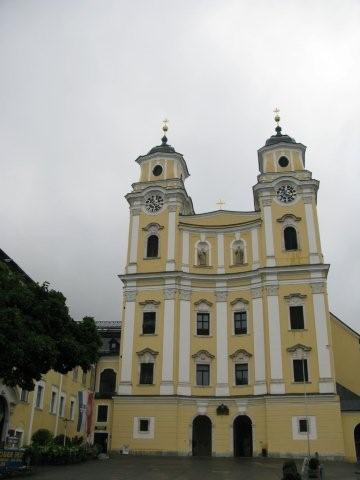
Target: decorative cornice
x,y
221,295
239,300
185,294
169,293
307,198
130,295
295,299
272,290
288,216
201,353
240,353
153,225
299,346
147,350
149,302
256,292
318,287
203,300
266,201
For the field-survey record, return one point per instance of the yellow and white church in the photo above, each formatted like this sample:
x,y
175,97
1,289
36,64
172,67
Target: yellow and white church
x,y
228,347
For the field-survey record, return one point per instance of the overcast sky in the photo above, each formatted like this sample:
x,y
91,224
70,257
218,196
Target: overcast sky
x,y
84,85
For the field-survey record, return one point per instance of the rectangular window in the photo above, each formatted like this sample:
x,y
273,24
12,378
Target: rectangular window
x,y
203,324
24,395
39,396
144,425
102,413
53,402
303,425
146,373
72,409
149,319
241,374
297,318
240,323
300,370
202,374
62,406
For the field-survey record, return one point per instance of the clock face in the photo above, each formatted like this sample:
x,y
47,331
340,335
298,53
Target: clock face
x,y
286,193
154,203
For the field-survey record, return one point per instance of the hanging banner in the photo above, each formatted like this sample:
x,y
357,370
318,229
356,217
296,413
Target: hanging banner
x,y
82,402
89,412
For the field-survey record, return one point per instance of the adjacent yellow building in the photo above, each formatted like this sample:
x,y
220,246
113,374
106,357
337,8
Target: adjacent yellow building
x,y
227,346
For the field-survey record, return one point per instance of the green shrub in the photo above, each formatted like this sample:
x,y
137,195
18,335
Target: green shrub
x,y
77,440
42,437
53,454
59,440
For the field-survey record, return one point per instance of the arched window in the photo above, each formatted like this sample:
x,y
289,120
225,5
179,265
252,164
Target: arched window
x,y
152,249
107,381
290,238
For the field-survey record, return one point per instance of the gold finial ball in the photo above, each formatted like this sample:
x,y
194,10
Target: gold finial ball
x,y
277,118
165,126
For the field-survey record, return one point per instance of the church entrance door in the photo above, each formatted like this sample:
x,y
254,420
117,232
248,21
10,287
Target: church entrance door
x,y
3,418
357,441
242,429
201,436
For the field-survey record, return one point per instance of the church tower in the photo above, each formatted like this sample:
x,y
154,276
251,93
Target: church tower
x,y
225,326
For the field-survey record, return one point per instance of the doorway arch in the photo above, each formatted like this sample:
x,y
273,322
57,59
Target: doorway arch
x,y
4,416
243,441
201,436
357,441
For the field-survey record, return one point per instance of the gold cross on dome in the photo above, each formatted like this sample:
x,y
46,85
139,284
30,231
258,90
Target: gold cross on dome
x,y
276,110
220,203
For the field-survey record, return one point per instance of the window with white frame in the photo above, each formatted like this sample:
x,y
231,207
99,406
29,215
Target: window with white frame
x,y
39,399
203,360
241,359
72,409
296,303
202,310
62,405
24,395
102,413
152,240
144,427
290,237
148,318
304,427
146,366
240,316
299,358
53,399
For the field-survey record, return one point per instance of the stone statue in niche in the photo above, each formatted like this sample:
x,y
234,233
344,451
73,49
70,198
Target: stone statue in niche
x,y
238,253
202,253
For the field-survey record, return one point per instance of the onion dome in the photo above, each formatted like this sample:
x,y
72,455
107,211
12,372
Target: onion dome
x,y
279,137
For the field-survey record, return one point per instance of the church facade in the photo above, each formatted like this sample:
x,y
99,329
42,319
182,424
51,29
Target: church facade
x,y
227,344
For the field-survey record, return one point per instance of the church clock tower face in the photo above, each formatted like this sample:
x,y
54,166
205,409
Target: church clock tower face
x,y
154,203
286,193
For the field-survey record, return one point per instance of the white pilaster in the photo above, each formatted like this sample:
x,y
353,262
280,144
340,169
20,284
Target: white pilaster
x,y
310,224
134,240
269,237
326,382
184,386
277,382
220,251
125,386
259,344
185,251
167,384
255,248
170,262
222,380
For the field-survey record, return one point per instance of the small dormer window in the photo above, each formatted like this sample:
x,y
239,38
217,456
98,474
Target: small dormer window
x,y
157,170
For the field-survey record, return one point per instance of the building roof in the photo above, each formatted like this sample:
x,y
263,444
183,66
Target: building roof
x,y
4,257
279,138
349,401
163,148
